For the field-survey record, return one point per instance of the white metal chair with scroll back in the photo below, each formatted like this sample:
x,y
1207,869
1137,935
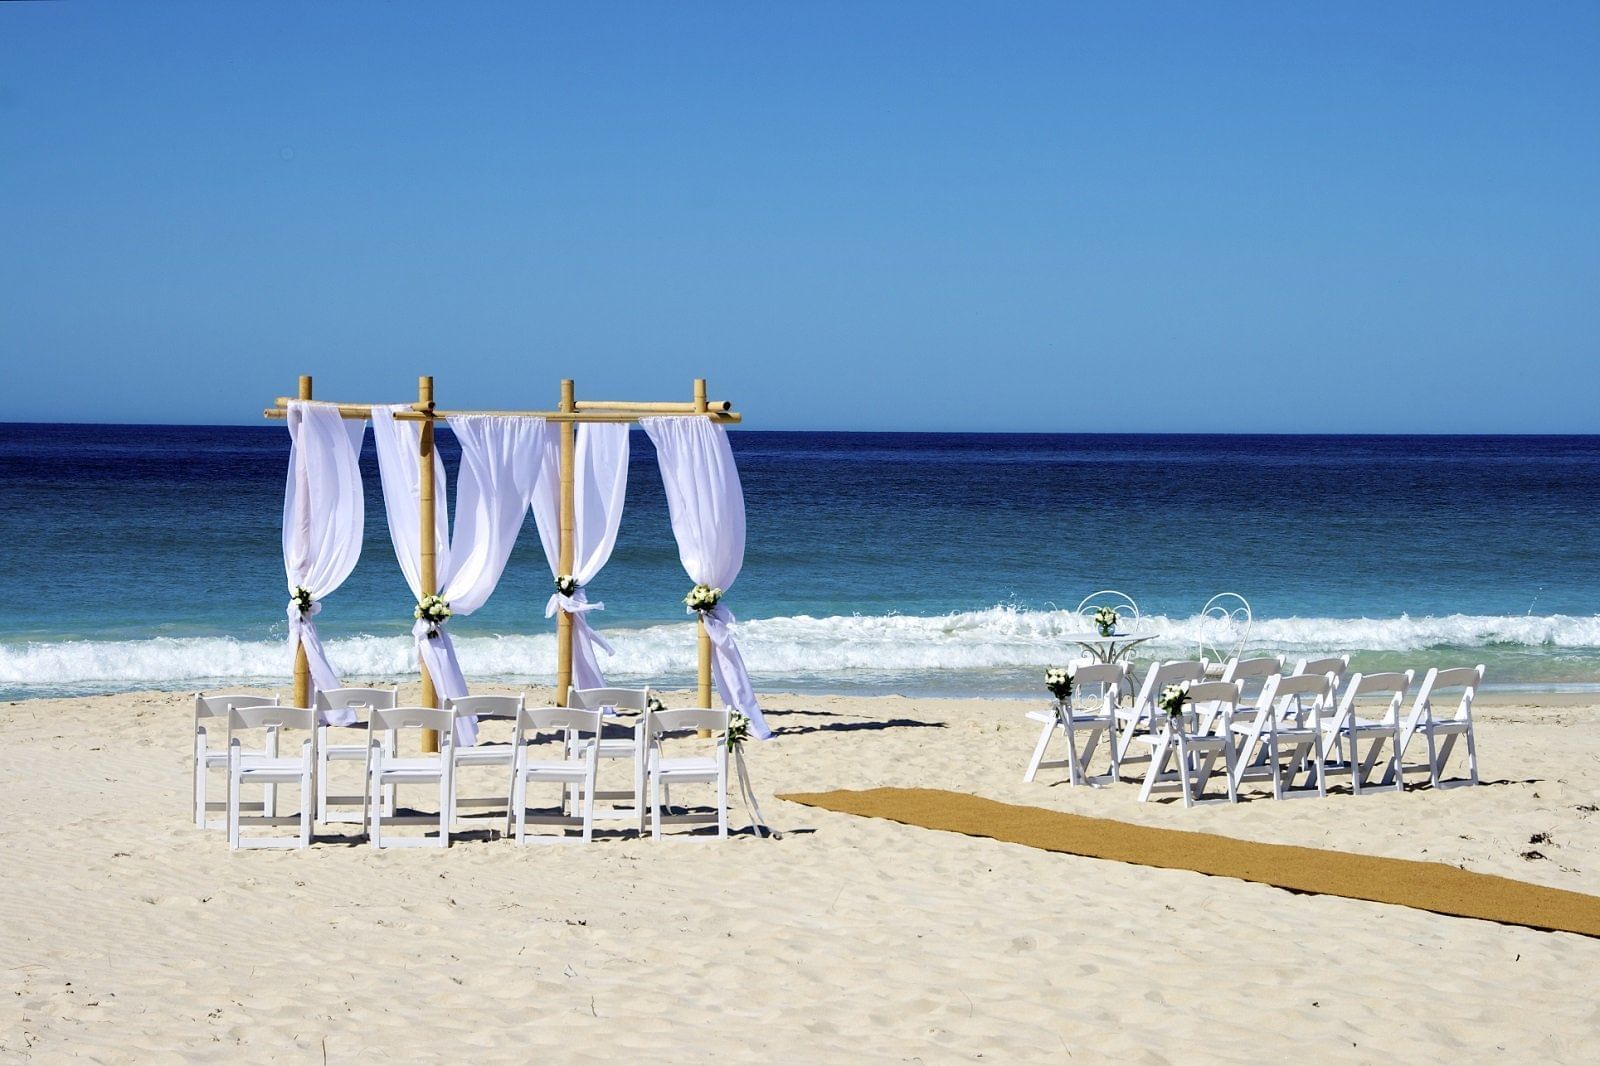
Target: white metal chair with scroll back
x,y
1224,629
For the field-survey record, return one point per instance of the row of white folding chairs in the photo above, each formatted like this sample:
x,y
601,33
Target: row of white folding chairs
x,y
255,727
1310,722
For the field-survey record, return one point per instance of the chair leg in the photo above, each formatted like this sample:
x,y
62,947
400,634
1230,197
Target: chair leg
x,y
588,803
655,805
1038,752
233,811
1433,760
722,804
1184,780
305,807
519,792
1472,755
375,809
199,781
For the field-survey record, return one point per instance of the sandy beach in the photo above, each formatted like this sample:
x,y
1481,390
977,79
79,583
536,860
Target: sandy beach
x,y
129,935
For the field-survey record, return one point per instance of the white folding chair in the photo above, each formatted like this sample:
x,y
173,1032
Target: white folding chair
x,y
1463,680
1346,731
1194,752
343,708
1142,713
1090,708
626,742
707,768
211,712
255,766
485,752
1338,665
387,768
573,766
1285,730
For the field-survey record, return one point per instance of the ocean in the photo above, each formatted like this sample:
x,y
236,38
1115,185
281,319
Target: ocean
x,y
922,563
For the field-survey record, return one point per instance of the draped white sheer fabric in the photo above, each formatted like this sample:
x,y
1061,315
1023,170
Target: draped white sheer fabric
x,y
323,518
600,484
500,461
707,508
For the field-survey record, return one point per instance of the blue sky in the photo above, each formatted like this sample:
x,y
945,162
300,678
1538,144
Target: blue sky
x,y
1255,217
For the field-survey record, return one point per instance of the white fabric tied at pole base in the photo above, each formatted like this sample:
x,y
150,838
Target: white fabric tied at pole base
x,y
706,504
500,464
599,487
324,514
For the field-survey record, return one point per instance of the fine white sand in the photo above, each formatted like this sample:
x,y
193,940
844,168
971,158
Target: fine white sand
x,y
127,934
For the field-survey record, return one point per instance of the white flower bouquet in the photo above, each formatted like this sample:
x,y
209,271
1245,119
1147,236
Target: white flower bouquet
x,y
738,730
566,585
1105,620
703,598
1058,680
1172,700
434,611
300,597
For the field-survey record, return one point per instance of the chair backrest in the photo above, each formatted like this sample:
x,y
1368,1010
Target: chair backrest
x,y
217,706
557,720
375,699
1337,664
439,719
1252,674
1121,602
1101,681
1225,624
487,707
1393,684
622,699
1214,692
681,719
1174,672
270,716
1293,695
1463,679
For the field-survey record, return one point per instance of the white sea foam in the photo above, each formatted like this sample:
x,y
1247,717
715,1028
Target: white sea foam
x,y
795,649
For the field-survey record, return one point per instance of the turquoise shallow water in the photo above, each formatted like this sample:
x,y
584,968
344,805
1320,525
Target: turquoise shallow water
x,y
877,562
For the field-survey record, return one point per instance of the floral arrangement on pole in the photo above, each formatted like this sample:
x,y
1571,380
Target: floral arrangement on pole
x,y
566,585
738,730
1105,620
434,611
1058,679
703,598
300,598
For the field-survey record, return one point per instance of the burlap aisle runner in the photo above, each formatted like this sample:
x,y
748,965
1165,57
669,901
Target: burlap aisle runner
x,y
1427,886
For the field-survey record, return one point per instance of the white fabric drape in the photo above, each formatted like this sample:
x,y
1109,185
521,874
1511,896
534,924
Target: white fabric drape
x,y
600,484
707,509
323,518
500,460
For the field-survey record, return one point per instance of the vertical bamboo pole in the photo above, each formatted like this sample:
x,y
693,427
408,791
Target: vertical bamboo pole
x,y
302,666
565,551
429,553
704,691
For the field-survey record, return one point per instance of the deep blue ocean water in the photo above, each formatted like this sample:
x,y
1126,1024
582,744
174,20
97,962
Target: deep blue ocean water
x,y
149,556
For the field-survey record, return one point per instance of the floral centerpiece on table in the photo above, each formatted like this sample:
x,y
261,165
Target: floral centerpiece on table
x,y
300,598
738,730
1172,701
434,611
703,598
1105,620
1058,679
566,585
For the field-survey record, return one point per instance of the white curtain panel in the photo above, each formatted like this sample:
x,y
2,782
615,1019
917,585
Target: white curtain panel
x,y
323,518
500,462
707,509
600,484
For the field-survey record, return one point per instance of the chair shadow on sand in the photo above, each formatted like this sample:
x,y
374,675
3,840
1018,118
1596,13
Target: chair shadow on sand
x,y
851,726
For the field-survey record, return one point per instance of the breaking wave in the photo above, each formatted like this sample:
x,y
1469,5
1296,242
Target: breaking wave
x,y
805,650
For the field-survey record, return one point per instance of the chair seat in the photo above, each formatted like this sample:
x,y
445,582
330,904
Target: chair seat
x,y
402,771
485,755
681,767
344,752
618,748
262,768
550,768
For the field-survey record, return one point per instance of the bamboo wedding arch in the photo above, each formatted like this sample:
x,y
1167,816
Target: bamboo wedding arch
x,y
569,412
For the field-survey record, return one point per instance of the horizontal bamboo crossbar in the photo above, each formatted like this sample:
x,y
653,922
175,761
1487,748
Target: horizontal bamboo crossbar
x,y
713,407
355,410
